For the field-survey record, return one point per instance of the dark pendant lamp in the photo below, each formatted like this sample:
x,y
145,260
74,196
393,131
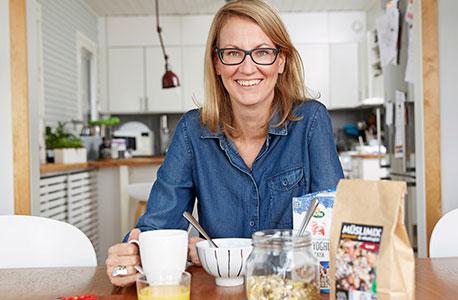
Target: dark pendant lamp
x,y
170,79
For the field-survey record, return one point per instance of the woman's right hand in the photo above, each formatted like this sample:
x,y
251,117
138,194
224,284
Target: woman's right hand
x,y
124,254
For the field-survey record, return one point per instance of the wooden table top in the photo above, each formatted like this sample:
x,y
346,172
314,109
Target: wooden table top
x,y
435,279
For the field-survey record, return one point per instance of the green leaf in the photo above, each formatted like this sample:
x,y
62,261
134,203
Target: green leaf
x,y
60,138
107,121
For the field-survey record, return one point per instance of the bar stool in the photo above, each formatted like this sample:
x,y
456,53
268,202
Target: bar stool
x,y
139,192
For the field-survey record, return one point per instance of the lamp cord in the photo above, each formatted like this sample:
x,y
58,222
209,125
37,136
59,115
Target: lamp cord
x,y
159,31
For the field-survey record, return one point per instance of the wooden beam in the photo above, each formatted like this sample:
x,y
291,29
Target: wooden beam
x,y
20,106
431,115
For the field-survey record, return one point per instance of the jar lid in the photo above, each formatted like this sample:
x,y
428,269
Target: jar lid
x,y
281,238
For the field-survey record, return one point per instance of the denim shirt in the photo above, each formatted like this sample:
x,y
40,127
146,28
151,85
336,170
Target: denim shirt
x,y
232,200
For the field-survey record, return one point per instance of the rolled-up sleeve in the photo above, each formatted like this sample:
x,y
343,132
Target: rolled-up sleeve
x,y
173,191
325,167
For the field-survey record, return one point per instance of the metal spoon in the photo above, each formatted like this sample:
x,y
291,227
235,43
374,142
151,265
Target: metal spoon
x,y
199,228
308,216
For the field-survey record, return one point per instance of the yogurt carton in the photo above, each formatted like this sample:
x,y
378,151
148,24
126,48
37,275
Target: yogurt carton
x,y
319,227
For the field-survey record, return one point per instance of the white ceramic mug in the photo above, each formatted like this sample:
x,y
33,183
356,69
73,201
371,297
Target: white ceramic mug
x,y
163,251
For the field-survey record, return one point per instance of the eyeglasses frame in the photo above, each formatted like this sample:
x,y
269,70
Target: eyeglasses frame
x,y
219,51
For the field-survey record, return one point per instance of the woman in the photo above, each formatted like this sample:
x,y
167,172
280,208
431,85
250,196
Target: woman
x,y
256,143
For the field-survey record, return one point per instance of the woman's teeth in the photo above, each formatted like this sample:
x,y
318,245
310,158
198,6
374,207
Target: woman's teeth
x,y
248,82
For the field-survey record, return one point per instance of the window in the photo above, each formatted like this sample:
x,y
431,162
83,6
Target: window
x,y
87,78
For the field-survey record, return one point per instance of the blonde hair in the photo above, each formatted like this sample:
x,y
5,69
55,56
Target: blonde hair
x,y
289,89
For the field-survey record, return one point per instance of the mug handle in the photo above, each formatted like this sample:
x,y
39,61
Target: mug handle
x,y
138,268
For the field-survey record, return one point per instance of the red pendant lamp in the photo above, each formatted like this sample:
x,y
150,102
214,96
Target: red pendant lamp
x,y
170,79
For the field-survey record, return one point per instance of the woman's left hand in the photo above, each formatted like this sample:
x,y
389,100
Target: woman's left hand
x,y
192,251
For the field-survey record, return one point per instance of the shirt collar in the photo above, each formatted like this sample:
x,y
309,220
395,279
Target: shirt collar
x,y
275,130
282,130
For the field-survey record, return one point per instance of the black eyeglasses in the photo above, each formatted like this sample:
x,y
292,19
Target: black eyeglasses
x,y
235,56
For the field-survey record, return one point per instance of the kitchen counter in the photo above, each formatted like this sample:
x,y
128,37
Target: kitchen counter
x,y
107,163
368,155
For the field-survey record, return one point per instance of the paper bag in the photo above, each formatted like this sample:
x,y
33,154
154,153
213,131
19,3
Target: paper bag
x,y
370,252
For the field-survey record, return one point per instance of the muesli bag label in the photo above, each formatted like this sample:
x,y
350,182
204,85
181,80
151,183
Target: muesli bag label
x,y
356,260
319,228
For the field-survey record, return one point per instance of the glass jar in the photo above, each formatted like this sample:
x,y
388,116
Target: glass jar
x,y
282,266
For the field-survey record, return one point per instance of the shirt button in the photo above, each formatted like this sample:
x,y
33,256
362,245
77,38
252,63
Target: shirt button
x,y
285,182
251,223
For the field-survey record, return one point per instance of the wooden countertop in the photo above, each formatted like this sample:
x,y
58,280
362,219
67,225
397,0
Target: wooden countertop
x,y
108,163
367,155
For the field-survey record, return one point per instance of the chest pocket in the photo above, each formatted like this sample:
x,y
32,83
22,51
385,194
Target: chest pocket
x,y
283,187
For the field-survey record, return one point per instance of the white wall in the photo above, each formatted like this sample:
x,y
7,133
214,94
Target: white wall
x,y
448,72
61,21
33,50
6,130
419,132
373,13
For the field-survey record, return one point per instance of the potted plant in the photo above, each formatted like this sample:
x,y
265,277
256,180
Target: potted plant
x,y
66,146
105,124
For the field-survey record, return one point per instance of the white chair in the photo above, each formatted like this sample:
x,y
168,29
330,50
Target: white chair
x,y
28,241
139,192
444,239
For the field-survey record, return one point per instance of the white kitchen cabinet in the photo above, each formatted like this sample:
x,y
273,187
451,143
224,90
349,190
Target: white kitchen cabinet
x,y
344,75
316,68
141,31
126,80
310,28
327,41
194,29
161,100
346,27
193,76
135,80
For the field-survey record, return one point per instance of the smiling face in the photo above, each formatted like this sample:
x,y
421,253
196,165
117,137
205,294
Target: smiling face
x,y
248,84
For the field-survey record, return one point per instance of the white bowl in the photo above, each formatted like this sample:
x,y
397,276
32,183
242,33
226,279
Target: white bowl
x,y
227,262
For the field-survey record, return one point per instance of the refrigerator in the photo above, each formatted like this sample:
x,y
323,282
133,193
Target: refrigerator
x,y
399,131
400,162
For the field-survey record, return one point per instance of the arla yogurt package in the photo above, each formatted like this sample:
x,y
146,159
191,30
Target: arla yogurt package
x,y
319,227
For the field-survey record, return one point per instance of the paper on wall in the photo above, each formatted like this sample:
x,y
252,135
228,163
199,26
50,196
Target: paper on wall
x,y
410,68
389,112
409,17
399,124
387,31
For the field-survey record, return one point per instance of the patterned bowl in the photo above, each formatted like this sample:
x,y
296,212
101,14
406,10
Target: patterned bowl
x,y
227,262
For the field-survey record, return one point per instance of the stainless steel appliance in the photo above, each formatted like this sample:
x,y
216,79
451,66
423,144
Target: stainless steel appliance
x,y
401,164
399,138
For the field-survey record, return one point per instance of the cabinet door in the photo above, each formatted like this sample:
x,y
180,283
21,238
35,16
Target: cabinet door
x,y
316,68
158,99
125,80
344,75
194,29
193,76
141,31
307,27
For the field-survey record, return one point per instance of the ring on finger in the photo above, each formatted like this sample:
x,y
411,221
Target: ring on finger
x,y
119,271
